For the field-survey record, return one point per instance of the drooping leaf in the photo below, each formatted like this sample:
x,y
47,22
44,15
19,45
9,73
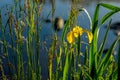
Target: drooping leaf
x,y
107,16
109,6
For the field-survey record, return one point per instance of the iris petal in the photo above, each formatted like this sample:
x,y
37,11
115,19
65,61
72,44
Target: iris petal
x,y
90,35
70,37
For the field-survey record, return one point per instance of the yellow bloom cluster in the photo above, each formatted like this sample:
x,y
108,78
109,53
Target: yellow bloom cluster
x,y
78,31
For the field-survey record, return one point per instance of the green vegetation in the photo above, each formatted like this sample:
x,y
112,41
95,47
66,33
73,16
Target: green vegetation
x,y
65,59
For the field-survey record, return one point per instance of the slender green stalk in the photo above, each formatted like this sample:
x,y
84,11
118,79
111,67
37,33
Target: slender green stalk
x,y
79,48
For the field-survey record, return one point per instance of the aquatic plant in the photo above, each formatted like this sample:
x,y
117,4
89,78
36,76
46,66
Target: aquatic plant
x,y
98,65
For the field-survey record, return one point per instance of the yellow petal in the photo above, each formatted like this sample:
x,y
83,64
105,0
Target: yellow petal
x,y
70,37
90,35
77,31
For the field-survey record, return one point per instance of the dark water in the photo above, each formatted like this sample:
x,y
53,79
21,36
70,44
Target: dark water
x,y
62,9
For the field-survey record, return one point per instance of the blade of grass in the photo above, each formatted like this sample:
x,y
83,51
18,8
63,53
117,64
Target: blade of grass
x,y
95,19
93,45
65,29
103,42
106,58
86,74
65,71
93,51
115,74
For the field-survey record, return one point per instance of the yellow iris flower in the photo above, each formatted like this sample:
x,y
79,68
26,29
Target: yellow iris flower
x,y
78,31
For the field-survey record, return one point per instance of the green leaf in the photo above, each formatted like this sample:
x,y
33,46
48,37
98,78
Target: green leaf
x,y
85,74
93,51
95,19
65,29
115,74
109,6
93,46
106,58
107,16
103,43
65,71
